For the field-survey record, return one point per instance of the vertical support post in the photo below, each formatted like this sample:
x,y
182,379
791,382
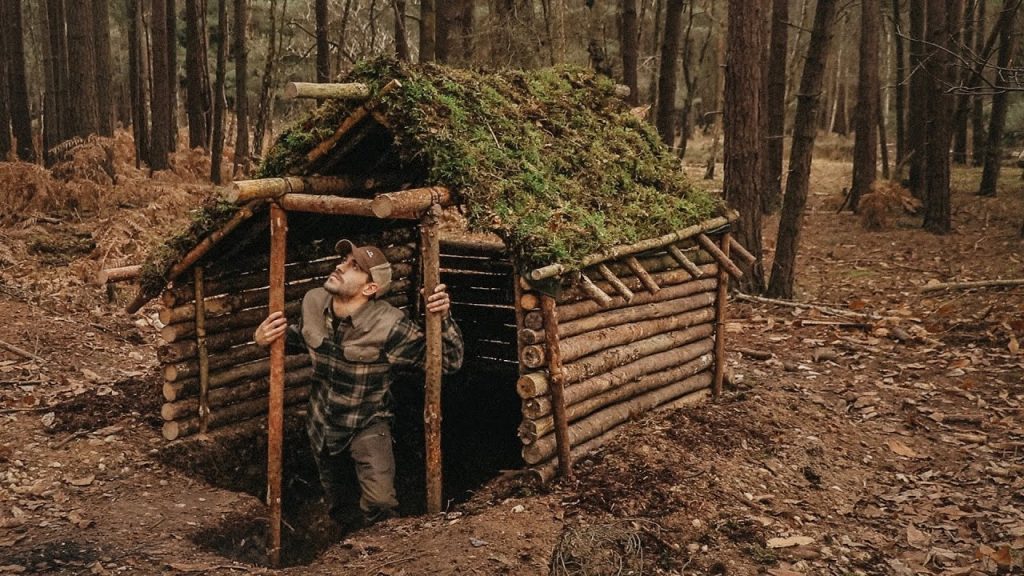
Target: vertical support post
x,y
557,385
430,258
275,417
720,304
204,358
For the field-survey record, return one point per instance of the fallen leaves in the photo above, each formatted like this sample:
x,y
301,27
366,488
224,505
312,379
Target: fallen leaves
x,y
789,542
901,449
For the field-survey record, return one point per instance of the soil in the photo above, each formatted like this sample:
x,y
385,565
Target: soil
x,y
885,439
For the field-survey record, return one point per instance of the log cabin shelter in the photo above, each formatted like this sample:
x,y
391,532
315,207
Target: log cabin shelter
x,y
587,275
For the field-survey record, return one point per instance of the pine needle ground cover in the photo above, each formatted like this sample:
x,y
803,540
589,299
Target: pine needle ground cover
x,y
549,160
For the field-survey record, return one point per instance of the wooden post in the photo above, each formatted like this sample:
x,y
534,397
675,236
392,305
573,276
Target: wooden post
x,y
431,260
556,387
720,304
275,416
204,357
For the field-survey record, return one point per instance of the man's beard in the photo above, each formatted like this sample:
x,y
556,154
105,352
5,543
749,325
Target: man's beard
x,y
338,287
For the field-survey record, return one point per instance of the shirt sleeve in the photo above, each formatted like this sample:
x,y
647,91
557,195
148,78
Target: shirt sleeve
x,y
293,341
407,345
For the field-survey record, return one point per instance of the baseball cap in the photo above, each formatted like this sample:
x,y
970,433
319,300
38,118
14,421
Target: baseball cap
x,y
369,258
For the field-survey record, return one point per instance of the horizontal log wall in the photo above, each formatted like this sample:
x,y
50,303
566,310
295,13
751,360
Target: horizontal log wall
x,y
640,336
234,305
481,284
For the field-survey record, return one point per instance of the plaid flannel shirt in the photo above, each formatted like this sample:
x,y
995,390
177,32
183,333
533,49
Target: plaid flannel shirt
x,y
352,383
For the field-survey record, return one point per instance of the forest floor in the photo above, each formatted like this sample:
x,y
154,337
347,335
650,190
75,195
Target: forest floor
x,y
887,438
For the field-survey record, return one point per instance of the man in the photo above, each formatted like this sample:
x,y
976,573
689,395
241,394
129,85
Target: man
x,y
355,341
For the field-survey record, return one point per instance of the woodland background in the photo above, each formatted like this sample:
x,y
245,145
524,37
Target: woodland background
x,y
921,84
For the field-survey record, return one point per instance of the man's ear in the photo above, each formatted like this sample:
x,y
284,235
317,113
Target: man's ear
x,y
370,289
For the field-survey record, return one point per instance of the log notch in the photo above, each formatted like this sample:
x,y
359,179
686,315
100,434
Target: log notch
x,y
557,382
320,91
275,418
204,358
431,261
720,308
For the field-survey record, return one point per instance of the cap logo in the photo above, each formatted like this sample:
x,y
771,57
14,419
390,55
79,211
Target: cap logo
x,y
369,253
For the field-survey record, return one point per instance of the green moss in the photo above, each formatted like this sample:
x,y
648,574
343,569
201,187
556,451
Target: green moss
x,y
550,160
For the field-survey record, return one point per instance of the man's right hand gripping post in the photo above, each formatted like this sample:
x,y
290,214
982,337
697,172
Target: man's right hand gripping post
x,y
271,329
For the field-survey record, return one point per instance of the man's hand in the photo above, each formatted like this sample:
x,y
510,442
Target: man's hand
x,y
439,302
270,329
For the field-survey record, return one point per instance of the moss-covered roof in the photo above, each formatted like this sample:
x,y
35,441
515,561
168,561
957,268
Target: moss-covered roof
x,y
549,160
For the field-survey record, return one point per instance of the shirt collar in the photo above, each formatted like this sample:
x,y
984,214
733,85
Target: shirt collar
x,y
361,319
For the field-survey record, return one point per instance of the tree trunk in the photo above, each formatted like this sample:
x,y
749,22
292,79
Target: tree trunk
x,y
744,128
160,101
804,131
104,76
85,117
977,104
630,37
997,119
447,21
659,6
428,30
196,101
17,81
137,83
401,40
963,102
58,34
323,49
172,74
5,111
775,106
865,145
901,91
939,126
468,21
266,100
918,100
219,98
241,87
666,118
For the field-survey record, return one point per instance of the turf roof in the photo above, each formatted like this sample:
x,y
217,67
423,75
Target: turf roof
x,y
550,160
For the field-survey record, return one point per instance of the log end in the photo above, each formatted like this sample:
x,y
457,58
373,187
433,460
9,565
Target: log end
x,y
291,91
382,207
171,430
532,385
168,412
170,392
532,356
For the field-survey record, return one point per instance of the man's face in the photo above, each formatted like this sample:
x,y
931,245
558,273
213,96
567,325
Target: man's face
x,y
348,279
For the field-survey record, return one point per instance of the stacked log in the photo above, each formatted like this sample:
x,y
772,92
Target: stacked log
x,y
634,334
233,305
480,281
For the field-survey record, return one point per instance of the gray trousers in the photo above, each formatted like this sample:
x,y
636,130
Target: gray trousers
x,y
374,460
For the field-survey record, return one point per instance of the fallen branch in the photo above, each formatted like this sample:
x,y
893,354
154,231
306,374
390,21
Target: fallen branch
x,y
969,285
20,351
755,354
792,304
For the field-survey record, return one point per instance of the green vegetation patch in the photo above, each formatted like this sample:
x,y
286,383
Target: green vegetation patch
x,y
550,160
